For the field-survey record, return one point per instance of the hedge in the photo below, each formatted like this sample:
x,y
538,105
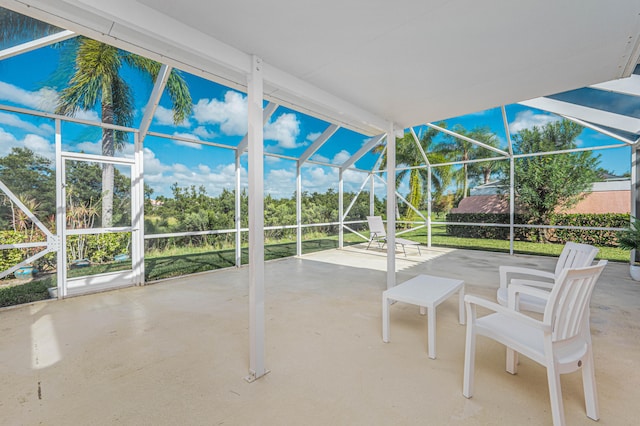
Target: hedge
x,y
488,232
599,238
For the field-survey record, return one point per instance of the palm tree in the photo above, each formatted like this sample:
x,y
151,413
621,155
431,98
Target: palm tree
x,y
460,150
485,169
97,81
408,154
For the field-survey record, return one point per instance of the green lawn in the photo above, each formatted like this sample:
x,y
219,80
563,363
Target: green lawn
x,y
189,260
440,238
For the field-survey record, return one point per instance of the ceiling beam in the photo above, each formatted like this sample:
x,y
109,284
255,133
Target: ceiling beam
x,y
468,139
320,140
154,100
592,115
266,115
362,151
36,44
625,86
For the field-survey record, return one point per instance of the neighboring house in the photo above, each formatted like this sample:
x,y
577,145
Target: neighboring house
x,y
610,196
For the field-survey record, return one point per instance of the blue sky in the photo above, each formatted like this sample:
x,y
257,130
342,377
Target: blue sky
x,y
32,80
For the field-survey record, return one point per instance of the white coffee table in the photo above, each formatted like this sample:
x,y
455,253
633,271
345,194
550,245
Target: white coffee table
x,y
428,292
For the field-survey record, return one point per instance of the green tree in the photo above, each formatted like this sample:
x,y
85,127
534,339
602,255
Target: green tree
x,y
541,181
458,149
408,155
30,177
96,81
485,170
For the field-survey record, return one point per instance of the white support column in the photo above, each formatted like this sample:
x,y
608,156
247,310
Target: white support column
x,y
238,212
372,196
511,204
391,208
634,181
340,210
429,203
298,210
635,169
512,201
256,222
137,214
61,216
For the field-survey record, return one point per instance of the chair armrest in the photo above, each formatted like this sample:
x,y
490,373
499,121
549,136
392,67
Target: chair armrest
x,y
516,289
470,301
531,283
505,270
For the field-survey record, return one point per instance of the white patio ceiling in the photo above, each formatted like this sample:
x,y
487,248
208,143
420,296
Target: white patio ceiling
x,y
365,63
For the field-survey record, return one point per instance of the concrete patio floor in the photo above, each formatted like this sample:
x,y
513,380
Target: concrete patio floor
x,y
176,352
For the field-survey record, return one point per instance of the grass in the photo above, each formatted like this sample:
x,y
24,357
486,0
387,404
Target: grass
x,y
25,293
440,238
189,260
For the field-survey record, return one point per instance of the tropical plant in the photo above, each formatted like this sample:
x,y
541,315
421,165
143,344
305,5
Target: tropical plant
x,y
629,239
408,155
97,80
484,171
458,149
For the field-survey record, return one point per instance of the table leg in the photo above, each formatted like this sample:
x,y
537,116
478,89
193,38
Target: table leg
x,y
461,313
431,329
385,319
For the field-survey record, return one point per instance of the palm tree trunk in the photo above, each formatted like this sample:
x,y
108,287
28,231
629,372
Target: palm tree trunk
x,y
108,149
465,188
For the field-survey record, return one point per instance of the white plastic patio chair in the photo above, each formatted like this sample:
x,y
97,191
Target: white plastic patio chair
x,y
573,255
561,341
378,233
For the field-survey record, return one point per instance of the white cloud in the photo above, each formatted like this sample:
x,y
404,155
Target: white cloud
x,y
185,143
284,130
164,117
89,147
528,119
44,99
90,115
152,165
40,146
36,143
341,157
204,133
230,114
280,183
320,158
15,121
311,137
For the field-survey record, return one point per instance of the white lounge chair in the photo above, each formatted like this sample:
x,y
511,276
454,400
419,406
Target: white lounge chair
x,y
378,233
561,341
573,255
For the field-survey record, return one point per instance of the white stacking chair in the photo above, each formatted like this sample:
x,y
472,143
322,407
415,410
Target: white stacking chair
x,y
574,255
561,341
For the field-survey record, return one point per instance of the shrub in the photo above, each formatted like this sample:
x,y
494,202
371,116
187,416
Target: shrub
x,y
98,248
489,232
25,293
11,257
598,238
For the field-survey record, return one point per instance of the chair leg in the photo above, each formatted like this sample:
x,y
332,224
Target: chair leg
x,y
555,394
589,385
469,360
512,361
